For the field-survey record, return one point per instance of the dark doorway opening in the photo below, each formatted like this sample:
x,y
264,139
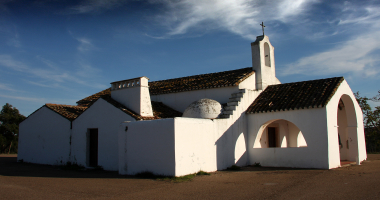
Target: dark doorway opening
x,y
93,147
272,139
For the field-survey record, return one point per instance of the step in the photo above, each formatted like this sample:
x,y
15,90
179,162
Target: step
x,y
235,98
233,103
230,108
228,112
224,116
237,94
242,90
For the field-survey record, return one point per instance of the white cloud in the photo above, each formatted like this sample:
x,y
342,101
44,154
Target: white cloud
x,y
353,14
356,56
241,17
352,56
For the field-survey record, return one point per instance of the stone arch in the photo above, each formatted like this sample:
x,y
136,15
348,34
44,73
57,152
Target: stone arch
x,y
347,125
267,54
279,133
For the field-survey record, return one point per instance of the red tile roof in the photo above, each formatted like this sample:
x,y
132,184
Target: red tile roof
x,y
199,82
67,111
299,95
90,99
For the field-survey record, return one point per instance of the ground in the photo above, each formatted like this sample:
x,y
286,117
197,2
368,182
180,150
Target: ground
x,y
31,181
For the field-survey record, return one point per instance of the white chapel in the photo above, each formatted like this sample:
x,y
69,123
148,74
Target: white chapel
x,y
204,122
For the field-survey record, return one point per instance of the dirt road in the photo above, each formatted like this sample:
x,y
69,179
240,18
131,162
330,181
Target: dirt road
x,y
31,181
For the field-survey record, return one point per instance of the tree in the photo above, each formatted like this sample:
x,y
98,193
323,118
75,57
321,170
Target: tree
x,y
371,122
10,118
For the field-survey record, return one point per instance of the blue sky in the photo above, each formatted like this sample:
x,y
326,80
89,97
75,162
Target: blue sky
x,y
54,51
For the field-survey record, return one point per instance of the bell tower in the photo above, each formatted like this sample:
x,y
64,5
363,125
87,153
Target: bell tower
x,y
263,62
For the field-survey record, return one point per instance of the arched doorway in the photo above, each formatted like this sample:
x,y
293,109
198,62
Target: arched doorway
x,y
347,130
279,133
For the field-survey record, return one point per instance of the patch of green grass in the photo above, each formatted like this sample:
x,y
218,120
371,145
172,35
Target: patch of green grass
x,y
150,175
203,173
234,168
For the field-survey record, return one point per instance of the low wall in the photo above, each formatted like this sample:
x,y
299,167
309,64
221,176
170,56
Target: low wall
x,y
147,146
195,147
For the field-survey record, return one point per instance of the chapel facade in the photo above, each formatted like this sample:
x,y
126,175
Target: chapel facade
x,y
204,122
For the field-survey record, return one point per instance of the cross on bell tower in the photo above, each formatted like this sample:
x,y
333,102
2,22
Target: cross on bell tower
x,y
262,25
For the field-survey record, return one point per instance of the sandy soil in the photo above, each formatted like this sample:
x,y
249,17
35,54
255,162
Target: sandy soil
x,y
31,181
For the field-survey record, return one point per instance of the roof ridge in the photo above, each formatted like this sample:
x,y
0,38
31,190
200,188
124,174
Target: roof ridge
x,y
69,115
200,75
308,80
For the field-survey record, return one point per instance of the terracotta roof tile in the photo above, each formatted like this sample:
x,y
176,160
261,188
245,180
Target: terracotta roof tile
x,y
299,95
160,110
198,82
67,111
91,99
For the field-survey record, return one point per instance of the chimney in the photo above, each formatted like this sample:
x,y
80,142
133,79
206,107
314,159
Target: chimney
x,y
134,94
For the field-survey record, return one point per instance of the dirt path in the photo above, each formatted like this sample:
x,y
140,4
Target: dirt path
x,y
30,181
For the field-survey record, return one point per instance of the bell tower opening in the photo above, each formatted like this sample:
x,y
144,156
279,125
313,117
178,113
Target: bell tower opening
x,y
267,54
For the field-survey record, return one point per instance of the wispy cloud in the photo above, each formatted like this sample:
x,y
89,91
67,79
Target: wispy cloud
x,y
38,100
53,74
355,56
85,45
241,17
7,87
8,61
14,41
95,6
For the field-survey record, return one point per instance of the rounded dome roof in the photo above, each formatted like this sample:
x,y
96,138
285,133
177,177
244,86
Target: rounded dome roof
x,y
203,108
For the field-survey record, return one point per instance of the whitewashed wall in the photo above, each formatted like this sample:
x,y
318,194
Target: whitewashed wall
x,y
181,100
44,138
185,145
195,147
354,129
147,146
106,118
313,125
319,127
